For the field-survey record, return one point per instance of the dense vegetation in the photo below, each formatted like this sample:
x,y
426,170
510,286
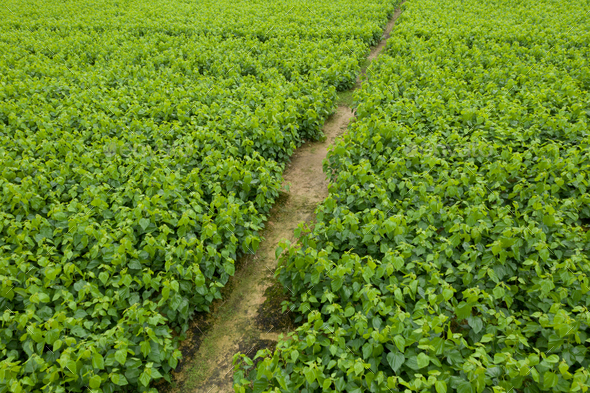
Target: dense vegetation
x,y
141,147
453,253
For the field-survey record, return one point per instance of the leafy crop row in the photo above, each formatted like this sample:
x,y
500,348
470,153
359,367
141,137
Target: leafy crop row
x,y
141,147
453,252
262,20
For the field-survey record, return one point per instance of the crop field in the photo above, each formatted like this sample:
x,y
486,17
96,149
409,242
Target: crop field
x,y
143,147
453,252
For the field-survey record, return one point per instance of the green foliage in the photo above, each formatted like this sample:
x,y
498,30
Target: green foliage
x,y
453,252
141,147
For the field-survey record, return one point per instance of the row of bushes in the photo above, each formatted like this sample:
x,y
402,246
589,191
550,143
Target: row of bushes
x,y
453,252
141,148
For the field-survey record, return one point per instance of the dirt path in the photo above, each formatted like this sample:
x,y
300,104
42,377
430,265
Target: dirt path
x,y
245,322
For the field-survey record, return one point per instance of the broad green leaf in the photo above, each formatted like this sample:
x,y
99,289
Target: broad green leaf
x,y
145,378
422,360
441,386
465,387
260,385
358,368
400,343
121,355
94,382
552,359
144,223
476,324
550,380
395,360
463,310
97,361
119,379
447,293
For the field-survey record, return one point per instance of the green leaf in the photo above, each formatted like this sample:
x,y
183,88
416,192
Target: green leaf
x,y
358,368
294,355
121,356
79,331
119,379
500,357
57,345
260,386
103,277
51,336
336,283
498,292
94,382
144,223
309,374
463,310
16,387
476,324
145,347
145,378
43,297
465,387
447,293
60,216
7,292
229,268
422,360
440,386
550,380
395,360
563,367
398,262
97,361
349,312
155,373
400,343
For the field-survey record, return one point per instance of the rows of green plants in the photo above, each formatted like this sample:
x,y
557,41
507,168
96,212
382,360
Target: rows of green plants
x,y
453,252
307,20
141,148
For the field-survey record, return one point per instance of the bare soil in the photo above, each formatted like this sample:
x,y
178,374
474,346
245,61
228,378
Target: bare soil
x,y
251,317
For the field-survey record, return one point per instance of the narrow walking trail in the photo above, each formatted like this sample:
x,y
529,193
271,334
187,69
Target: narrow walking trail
x,y
251,317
